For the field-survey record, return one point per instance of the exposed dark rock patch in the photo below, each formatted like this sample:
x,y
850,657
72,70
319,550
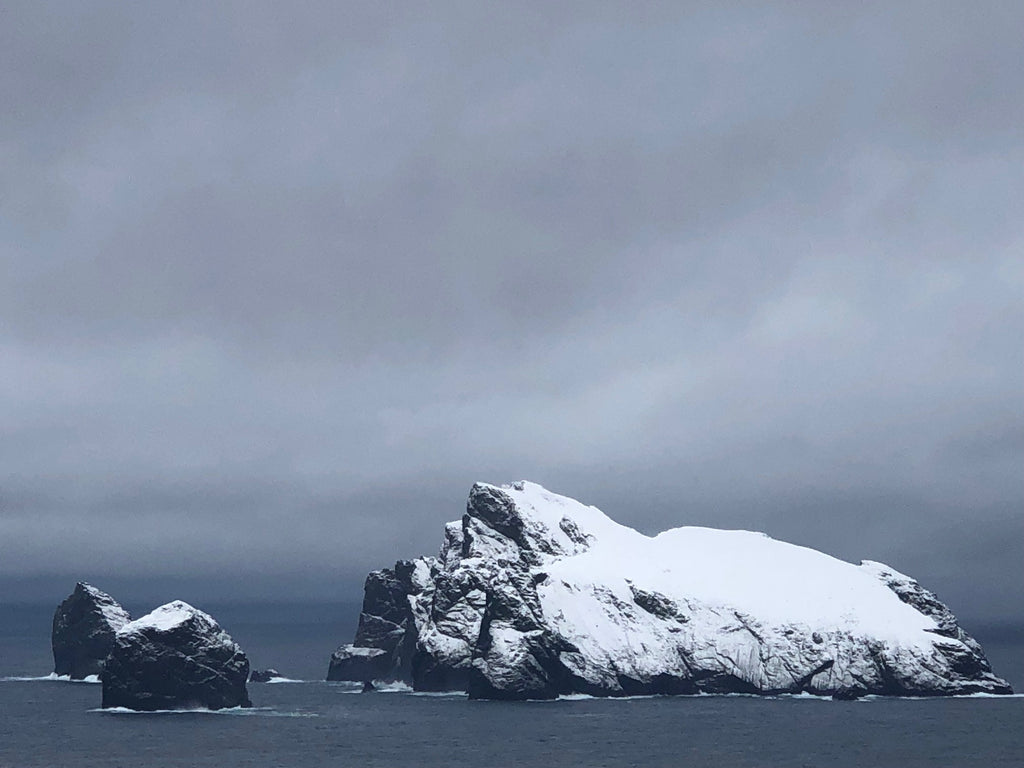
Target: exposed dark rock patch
x,y
657,605
849,694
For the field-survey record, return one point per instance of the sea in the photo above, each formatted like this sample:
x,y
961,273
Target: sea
x,y
315,724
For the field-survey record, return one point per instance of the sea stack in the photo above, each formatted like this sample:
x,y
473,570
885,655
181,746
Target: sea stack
x,y
84,626
535,595
176,657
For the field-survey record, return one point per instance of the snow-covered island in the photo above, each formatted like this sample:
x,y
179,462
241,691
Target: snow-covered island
x,y
535,595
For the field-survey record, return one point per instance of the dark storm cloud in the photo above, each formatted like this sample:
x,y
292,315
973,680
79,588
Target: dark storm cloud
x,y
280,282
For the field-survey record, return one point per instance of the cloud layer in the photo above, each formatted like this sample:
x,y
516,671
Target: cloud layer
x,y
280,283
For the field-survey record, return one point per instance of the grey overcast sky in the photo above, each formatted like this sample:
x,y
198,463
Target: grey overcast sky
x,y
278,282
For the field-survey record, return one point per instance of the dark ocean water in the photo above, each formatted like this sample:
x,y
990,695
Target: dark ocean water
x,y
44,723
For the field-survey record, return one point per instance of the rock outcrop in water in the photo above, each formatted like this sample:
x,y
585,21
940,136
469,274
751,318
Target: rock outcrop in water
x,y
359,664
176,657
263,675
535,595
84,626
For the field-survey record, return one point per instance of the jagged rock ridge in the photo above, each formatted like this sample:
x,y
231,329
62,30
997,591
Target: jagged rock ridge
x,y
84,626
534,595
175,657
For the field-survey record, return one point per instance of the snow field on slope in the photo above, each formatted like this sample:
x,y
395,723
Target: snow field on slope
x,y
776,583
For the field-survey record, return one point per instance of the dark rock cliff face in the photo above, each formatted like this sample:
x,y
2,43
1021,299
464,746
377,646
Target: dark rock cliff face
x,y
534,595
176,657
84,626
384,645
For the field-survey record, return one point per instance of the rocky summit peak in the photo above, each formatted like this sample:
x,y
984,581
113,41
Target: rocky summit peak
x,y
169,617
539,524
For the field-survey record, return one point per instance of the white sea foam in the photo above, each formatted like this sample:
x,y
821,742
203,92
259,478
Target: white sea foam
x,y
345,685
231,711
638,697
941,698
396,687
44,678
53,677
